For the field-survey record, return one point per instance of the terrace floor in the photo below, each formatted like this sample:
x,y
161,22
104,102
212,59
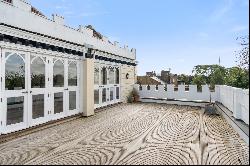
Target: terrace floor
x,y
132,134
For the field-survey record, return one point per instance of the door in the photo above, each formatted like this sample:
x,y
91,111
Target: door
x,y
72,93
1,94
15,90
117,87
111,83
97,89
58,89
38,93
107,84
35,89
104,88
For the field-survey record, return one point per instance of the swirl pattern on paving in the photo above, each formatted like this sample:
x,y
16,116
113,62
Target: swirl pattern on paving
x,y
132,134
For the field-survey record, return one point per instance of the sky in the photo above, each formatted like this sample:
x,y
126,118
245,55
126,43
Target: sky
x,y
167,34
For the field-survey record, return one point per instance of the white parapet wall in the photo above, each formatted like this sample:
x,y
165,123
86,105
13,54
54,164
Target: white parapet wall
x,y
235,99
150,91
18,13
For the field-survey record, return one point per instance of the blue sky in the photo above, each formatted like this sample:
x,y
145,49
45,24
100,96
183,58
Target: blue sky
x,y
176,34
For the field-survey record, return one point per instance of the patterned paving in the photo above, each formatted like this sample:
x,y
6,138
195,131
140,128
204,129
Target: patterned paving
x,y
132,134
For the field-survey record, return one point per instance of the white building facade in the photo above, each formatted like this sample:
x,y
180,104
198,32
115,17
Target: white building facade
x,y
50,71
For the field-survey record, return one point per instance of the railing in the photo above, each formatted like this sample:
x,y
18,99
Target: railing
x,y
235,99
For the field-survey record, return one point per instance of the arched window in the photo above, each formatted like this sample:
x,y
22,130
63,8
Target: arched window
x,y
117,78
156,87
148,87
96,76
15,73
111,76
37,73
104,76
58,75
72,74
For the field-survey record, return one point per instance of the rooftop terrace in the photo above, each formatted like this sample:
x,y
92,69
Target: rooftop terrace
x,y
133,134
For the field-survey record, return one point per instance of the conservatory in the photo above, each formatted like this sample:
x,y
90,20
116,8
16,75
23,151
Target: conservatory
x,y
51,71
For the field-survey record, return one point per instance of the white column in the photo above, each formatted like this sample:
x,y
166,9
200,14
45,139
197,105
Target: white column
x,y
87,87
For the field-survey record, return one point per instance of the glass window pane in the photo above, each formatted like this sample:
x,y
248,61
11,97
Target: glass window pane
x,y
7,54
37,106
72,100
96,76
117,93
72,74
14,73
104,95
96,96
117,80
111,76
15,108
111,94
58,102
104,76
58,77
37,73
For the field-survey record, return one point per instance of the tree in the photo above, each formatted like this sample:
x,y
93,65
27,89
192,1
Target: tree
x,y
199,80
243,54
209,74
237,77
185,79
217,77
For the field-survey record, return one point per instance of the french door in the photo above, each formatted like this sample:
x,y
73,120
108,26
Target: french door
x,y
1,94
73,91
107,85
38,92
104,87
97,86
14,90
64,89
117,88
58,89
36,89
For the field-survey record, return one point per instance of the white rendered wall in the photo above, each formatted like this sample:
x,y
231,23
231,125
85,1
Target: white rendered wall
x,y
235,99
19,15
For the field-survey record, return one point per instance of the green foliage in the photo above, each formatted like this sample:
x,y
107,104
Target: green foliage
x,y
38,81
130,98
185,78
14,80
219,75
237,77
199,80
209,74
135,93
133,96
